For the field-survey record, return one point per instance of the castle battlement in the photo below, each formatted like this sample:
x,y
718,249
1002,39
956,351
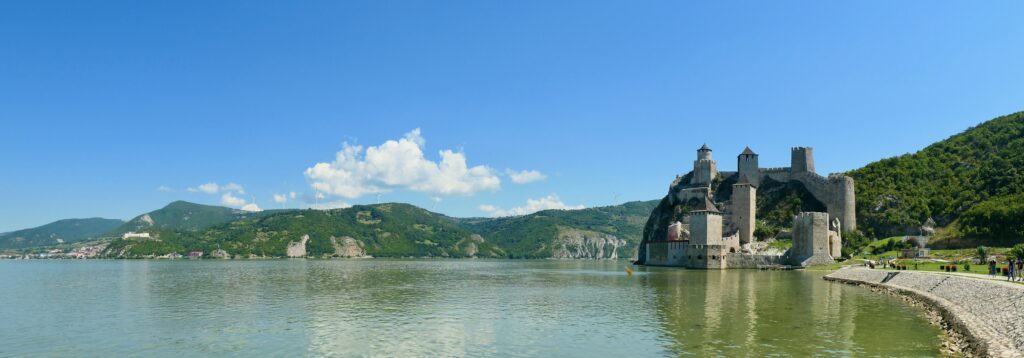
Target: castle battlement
x,y
716,238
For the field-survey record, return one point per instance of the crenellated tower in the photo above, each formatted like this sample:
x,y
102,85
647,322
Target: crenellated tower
x,y
744,208
802,160
704,168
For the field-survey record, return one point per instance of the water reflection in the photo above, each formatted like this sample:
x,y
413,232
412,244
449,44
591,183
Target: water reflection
x,y
752,313
441,308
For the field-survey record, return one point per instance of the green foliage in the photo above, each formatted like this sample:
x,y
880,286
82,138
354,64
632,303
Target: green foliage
x,y
982,254
1017,251
1001,219
978,169
186,216
763,231
530,236
391,230
68,230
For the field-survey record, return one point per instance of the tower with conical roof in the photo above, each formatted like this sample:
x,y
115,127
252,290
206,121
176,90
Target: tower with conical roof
x,y
705,224
746,164
704,168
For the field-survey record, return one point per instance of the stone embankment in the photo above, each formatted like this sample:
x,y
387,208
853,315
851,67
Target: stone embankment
x,y
988,314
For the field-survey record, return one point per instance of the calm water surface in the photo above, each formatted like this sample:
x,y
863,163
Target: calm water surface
x,y
447,308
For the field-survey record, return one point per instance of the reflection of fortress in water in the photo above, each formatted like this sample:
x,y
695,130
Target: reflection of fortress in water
x,y
709,238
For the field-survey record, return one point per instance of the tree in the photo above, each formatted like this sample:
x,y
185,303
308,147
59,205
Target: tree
x,y
982,254
1017,251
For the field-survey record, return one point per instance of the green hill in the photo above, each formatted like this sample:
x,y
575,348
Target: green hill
x,y
186,216
535,235
971,185
400,230
63,231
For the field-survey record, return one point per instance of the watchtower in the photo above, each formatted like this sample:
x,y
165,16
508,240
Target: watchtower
x,y
744,208
746,165
705,224
802,160
704,168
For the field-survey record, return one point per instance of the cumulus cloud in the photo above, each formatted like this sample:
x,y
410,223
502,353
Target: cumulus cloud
x,y
280,198
525,176
251,207
214,188
233,187
330,205
399,164
231,200
532,205
164,188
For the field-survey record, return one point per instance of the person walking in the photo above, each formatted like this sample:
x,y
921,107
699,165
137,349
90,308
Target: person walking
x,y
992,267
1009,269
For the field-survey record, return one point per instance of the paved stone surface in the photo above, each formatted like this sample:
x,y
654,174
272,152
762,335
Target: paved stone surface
x,y
989,312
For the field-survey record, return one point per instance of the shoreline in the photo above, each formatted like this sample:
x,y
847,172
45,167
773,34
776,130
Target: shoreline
x,y
966,320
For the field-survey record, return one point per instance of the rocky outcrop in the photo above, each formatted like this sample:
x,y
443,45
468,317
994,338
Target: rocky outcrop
x,y
583,244
347,247
298,249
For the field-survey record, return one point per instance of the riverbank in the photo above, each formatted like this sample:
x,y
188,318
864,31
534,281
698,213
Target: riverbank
x,y
983,316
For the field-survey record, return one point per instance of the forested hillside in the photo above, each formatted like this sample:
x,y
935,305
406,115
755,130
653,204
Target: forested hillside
x,y
971,185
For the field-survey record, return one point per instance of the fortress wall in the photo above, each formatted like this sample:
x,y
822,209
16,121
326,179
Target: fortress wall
x,y
836,192
663,253
749,261
981,310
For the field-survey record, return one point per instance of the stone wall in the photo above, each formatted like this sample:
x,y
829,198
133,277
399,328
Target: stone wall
x,y
987,312
662,253
749,261
811,240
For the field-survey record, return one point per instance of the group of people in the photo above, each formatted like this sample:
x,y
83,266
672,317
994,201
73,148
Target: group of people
x,y
1014,269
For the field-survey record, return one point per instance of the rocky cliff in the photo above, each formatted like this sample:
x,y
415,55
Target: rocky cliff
x,y
582,244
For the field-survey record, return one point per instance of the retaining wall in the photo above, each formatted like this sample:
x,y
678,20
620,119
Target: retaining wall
x,y
989,313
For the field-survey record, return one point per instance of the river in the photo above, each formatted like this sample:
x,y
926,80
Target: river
x,y
382,307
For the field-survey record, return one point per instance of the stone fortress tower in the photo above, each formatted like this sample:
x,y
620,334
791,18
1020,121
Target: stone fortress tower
x,y
704,168
744,208
707,238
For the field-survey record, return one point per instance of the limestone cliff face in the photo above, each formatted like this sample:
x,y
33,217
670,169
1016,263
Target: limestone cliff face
x,y
583,244
298,249
347,247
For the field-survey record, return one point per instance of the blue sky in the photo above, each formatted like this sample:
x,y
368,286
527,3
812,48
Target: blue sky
x,y
104,102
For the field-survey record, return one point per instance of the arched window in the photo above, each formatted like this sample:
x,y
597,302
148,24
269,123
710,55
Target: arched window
x,y
732,250
700,257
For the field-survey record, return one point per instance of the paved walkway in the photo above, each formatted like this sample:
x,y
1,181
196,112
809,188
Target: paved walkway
x,y
987,310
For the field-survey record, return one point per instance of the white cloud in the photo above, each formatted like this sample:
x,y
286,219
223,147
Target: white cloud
x,y
231,200
532,205
399,164
330,205
164,188
209,188
280,198
214,188
292,195
233,187
251,207
525,176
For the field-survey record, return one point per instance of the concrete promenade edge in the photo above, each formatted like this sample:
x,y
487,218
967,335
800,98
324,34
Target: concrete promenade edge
x,y
989,313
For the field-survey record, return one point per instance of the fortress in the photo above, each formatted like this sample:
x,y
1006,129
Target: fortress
x,y
720,236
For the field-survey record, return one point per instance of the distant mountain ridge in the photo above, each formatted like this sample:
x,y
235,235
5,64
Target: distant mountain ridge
x,y
59,232
389,230
186,216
